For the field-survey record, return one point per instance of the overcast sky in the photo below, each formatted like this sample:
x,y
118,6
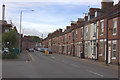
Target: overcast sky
x,y
48,16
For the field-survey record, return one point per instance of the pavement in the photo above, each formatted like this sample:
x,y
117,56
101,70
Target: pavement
x,y
55,66
94,62
24,56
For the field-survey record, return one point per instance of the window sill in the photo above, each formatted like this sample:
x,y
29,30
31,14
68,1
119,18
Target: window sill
x,y
113,57
100,54
114,34
101,34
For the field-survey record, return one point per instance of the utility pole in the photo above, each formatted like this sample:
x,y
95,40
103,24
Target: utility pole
x,y
3,16
3,12
20,35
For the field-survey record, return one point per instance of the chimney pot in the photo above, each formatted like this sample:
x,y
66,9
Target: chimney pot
x,y
60,30
86,18
67,27
73,23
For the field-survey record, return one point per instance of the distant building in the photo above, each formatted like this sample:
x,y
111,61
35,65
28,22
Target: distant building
x,y
27,42
5,27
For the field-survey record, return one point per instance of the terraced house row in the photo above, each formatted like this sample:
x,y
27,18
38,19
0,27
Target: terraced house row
x,y
95,36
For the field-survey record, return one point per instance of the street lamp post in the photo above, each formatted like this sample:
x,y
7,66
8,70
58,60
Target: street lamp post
x,y
20,36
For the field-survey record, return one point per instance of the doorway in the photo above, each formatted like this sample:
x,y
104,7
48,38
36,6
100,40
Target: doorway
x,y
109,52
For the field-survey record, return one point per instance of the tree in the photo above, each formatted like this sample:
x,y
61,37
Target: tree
x,y
36,39
9,39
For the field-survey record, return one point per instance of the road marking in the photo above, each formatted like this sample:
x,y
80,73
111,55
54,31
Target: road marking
x,y
75,65
53,57
95,73
28,61
52,60
31,57
64,61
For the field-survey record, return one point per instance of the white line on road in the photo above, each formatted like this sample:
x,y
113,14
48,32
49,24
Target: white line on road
x,y
53,57
75,65
64,61
52,60
28,61
95,73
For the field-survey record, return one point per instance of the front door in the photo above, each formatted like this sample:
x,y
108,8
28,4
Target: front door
x,y
78,51
89,50
109,52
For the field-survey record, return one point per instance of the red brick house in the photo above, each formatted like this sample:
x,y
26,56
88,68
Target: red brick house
x,y
73,40
28,43
110,19
5,27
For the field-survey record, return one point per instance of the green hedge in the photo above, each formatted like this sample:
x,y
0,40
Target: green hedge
x,y
10,56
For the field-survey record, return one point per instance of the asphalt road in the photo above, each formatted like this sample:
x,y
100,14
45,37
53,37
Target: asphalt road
x,y
54,66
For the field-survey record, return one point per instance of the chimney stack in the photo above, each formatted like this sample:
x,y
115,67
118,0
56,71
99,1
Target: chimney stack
x,y
92,10
60,30
80,20
107,4
73,23
86,18
57,32
49,34
67,27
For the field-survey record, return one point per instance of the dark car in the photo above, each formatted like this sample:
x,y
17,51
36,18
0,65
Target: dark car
x,y
50,51
27,49
42,50
31,50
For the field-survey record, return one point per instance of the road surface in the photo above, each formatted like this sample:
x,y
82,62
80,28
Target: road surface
x,y
54,66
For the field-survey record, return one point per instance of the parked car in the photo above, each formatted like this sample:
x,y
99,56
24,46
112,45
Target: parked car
x,y
38,49
42,50
48,51
6,51
31,50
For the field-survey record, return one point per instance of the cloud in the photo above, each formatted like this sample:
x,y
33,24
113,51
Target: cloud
x,y
59,1
38,27
48,16
29,28
33,32
50,0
